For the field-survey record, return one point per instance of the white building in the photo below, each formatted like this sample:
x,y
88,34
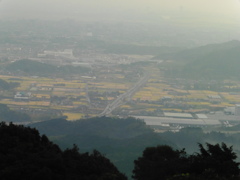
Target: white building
x,y
22,95
237,110
66,53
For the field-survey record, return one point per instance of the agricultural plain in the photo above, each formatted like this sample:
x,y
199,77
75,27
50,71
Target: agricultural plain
x,y
82,97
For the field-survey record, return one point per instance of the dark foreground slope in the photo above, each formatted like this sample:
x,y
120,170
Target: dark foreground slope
x,y
24,154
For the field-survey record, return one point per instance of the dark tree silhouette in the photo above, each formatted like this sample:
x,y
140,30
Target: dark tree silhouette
x,y
163,162
215,161
159,163
24,154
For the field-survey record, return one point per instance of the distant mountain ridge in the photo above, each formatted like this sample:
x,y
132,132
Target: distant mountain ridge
x,y
222,64
214,61
194,53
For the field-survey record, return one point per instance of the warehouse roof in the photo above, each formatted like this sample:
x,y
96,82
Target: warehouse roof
x,y
201,116
178,115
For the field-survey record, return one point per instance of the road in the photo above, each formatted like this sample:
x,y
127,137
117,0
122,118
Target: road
x,y
87,96
122,98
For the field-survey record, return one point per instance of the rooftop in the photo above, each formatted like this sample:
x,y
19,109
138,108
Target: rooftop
x,y
201,116
178,115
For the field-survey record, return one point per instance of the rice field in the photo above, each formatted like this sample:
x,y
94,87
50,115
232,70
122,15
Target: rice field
x,y
73,116
146,98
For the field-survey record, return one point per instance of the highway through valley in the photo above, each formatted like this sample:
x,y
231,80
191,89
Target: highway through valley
x,y
123,97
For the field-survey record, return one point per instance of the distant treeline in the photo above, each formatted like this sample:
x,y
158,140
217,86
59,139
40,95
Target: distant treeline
x,y
9,115
4,85
43,69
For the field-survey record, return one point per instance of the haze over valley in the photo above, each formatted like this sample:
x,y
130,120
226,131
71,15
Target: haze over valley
x,y
119,77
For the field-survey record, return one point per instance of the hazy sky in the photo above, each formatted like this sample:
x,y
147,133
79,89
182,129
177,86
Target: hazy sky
x,y
123,10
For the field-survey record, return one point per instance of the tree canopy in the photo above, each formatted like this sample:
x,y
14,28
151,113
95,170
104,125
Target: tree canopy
x,y
163,162
215,161
159,163
24,154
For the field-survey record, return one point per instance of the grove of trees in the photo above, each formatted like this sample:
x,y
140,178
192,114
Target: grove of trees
x,y
25,155
164,163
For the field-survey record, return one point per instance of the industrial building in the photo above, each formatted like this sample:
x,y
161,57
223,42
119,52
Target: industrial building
x,y
178,115
66,53
233,110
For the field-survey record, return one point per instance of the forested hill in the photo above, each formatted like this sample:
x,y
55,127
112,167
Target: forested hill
x,y
222,64
121,140
115,128
4,85
217,62
36,68
8,115
26,155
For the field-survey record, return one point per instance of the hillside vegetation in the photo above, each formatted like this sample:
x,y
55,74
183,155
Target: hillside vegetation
x,y
103,126
122,140
25,154
4,85
8,115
